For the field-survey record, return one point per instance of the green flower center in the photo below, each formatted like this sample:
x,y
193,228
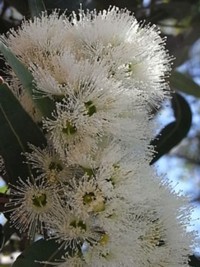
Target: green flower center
x,y
55,166
78,224
98,205
69,129
88,171
104,239
91,108
39,200
129,69
88,198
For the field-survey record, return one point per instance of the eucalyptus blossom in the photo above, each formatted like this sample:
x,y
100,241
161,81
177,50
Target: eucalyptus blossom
x,y
92,189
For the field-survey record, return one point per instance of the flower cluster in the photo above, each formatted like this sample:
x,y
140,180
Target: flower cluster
x,y
94,191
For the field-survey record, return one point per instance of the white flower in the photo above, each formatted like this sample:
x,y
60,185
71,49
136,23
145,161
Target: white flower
x,y
68,131
74,129
153,244
38,39
70,230
47,164
86,197
30,203
35,43
114,248
135,53
141,238
94,101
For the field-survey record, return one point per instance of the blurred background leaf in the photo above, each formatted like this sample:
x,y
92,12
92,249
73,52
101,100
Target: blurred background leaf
x,y
36,7
17,129
172,134
42,250
44,105
185,84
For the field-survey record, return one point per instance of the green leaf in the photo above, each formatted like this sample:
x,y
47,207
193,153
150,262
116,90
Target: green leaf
x,y
3,189
42,250
36,7
45,105
17,129
174,132
183,83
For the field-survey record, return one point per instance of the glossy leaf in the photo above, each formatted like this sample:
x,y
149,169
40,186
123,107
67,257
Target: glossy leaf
x,y
181,82
17,129
36,7
175,131
45,105
42,250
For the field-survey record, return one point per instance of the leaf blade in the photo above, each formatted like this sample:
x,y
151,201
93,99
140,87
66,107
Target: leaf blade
x,y
181,82
38,252
45,105
17,129
172,134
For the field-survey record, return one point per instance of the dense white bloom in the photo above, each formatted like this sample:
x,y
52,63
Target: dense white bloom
x,y
92,105
35,43
38,39
135,53
86,197
30,203
132,54
95,193
141,238
153,243
70,230
47,164
68,131
73,128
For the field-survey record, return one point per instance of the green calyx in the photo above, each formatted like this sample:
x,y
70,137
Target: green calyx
x,y
129,68
69,129
88,198
39,200
91,108
78,224
55,166
88,171
97,206
104,239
